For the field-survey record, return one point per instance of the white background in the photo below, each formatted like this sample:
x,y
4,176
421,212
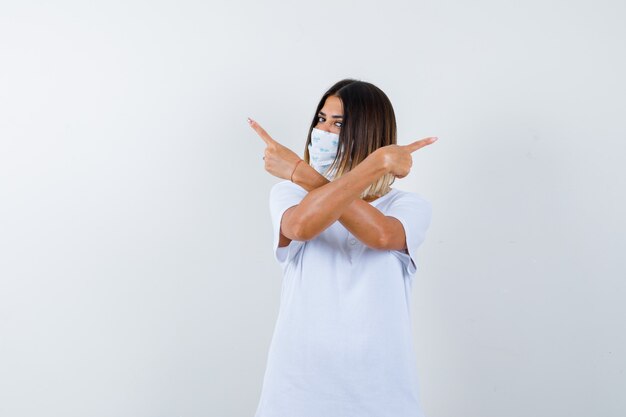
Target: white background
x,y
136,272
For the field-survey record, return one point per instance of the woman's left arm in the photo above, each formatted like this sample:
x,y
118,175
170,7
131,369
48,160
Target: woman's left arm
x,y
363,220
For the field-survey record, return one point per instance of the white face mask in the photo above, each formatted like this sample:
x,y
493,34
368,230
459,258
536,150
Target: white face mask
x,y
322,151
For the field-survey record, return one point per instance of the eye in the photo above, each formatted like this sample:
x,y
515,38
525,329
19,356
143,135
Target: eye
x,y
321,119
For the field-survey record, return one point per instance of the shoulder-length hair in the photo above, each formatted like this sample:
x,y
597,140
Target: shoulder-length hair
x,y
369,123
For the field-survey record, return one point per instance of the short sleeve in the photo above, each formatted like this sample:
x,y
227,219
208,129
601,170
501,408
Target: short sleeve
x,y
414,212
284,195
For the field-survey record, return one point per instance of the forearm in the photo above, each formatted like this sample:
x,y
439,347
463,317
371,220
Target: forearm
x,y
340,200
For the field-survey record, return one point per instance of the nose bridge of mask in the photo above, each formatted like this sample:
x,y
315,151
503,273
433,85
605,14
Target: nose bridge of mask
x,y
318,135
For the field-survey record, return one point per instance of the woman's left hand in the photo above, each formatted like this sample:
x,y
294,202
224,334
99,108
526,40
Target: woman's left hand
x,y
280,161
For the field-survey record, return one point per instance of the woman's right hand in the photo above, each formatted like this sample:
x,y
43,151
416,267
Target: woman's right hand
x,y
280,161
397,159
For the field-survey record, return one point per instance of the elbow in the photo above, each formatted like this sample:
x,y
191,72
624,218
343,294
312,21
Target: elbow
x,y
296,230
302,233
382,243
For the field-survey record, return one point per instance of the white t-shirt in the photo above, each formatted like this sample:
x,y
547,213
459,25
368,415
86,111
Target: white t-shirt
x,y
342,343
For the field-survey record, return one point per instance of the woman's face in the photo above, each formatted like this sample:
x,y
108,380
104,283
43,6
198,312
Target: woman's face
x,y
330,117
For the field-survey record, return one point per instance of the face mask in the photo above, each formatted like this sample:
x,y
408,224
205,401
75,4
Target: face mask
x,y
322,151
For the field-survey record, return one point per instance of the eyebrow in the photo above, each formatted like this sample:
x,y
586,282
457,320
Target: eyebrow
x,y
336,116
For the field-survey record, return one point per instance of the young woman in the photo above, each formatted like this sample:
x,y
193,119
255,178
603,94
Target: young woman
x,y
347,243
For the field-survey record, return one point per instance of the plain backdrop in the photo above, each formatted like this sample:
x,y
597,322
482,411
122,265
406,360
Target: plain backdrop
x,y
136,268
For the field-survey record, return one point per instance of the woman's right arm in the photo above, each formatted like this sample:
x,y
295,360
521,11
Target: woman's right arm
x,y
363,220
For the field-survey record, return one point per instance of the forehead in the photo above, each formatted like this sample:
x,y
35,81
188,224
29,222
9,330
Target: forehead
x,y
332,103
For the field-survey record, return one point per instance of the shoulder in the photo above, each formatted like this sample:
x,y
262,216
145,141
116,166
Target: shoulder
x,y
286,187
410,197
284,184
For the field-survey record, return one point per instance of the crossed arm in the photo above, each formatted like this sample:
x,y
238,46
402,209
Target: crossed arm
x,y
340,200
329,201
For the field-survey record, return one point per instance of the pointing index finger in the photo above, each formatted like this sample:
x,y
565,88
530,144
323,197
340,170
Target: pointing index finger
x,y
261,132
421,143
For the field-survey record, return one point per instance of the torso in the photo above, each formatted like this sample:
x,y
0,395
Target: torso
x,y
343,333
